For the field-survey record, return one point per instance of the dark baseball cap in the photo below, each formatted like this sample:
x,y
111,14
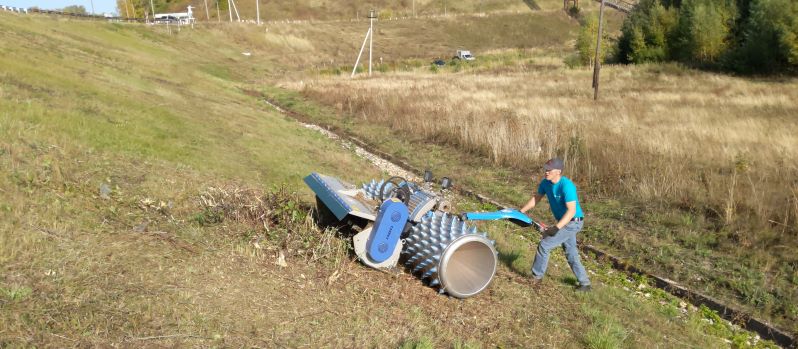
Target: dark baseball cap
x,y
553,164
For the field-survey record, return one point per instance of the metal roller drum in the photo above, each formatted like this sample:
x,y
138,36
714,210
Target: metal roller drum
x,y
450,255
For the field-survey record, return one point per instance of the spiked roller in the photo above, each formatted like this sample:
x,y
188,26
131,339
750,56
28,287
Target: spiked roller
x,y
444,251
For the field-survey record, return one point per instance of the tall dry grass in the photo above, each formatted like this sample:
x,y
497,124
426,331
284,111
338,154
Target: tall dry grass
x,y
719,145
700,168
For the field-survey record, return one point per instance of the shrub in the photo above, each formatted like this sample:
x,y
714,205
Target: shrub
x,y
586,42
644,33
574,11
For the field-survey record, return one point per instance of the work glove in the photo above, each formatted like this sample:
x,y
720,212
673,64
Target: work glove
x,y
551,231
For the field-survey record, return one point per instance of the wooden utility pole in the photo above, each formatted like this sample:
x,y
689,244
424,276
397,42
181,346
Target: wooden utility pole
x,y
597,65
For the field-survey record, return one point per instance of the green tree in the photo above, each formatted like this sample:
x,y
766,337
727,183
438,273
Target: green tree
x,y
645,32
586,41
770,42
138,8
78,9
704,31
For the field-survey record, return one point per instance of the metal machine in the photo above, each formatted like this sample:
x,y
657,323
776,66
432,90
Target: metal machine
x,y
409,223
510,214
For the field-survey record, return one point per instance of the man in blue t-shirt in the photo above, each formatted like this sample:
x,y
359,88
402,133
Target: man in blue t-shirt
x,y
564,203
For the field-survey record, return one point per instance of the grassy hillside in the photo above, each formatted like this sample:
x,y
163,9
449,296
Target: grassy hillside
x,y
146,201
340,9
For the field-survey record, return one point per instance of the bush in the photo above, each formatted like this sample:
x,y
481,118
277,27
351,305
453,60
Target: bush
x,y
574,11
644,33
586,42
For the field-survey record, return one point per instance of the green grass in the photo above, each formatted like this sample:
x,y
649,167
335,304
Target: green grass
x,y
108,159
605,331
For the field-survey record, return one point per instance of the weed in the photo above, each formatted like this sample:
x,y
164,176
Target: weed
x,y
15,293
208,217
604,332
423,343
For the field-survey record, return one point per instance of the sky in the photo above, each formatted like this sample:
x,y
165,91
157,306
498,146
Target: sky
x,y
100,6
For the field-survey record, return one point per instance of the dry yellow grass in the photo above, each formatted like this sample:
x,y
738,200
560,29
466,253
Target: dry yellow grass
x,y
654,135
341,9
719,151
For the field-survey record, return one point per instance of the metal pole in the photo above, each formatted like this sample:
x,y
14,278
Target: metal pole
x,y
597,66
368,33
235,8
257,9
371,38
207,14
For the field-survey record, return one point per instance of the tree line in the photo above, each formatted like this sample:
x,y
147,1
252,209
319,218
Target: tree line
x,y
746,36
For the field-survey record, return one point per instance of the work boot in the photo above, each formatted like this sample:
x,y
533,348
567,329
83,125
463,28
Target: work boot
x,y
535,283
583,288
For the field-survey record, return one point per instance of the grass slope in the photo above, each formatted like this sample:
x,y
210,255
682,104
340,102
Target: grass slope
x,y
339,9
128,157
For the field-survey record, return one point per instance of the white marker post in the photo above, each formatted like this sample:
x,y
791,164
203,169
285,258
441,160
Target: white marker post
x,y
372,15
257,9
369,34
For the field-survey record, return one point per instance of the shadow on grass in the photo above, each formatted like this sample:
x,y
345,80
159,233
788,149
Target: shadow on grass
x,y
569,280
532,5
509,258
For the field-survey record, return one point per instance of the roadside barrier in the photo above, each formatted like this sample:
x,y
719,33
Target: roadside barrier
x,y
85,16
34,10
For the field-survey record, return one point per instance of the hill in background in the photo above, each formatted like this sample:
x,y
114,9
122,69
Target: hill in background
x,y
326,10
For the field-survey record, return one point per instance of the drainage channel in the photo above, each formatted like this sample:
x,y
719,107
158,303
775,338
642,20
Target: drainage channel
x,y
398,167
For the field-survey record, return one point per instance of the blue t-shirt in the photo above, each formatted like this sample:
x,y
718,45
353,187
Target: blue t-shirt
x,y
558,194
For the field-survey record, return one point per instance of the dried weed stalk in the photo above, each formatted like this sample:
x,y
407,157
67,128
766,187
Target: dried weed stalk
x,y
277,216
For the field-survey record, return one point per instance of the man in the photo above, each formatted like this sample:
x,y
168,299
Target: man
x,y
564,203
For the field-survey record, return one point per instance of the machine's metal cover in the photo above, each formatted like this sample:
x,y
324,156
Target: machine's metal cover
x,y
387,230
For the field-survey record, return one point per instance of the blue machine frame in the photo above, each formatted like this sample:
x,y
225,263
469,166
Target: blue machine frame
x,y
510,214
